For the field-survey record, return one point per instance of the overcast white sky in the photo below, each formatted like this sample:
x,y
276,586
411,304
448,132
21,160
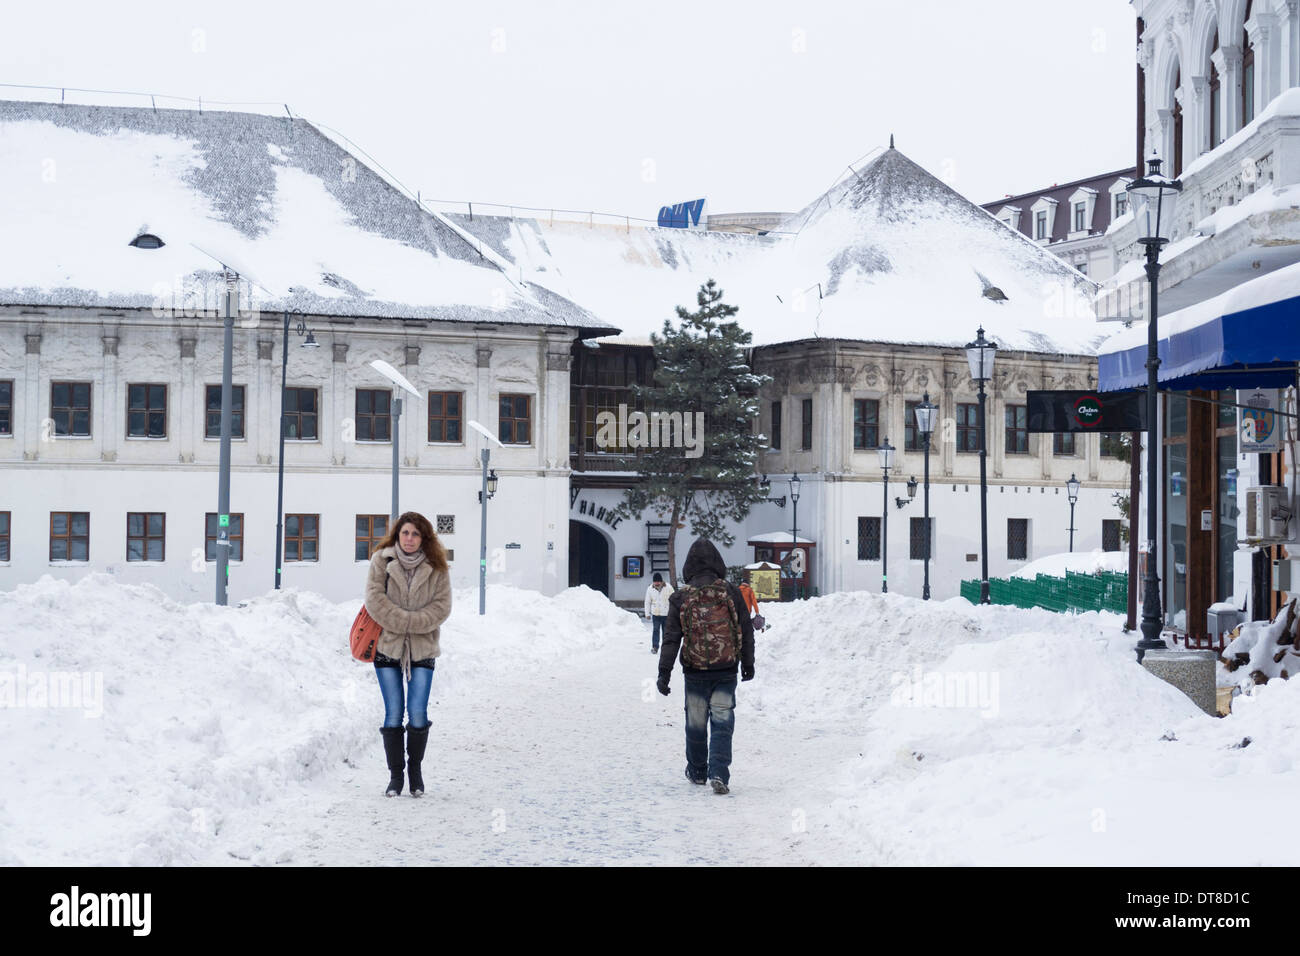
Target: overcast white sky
x,y
625,107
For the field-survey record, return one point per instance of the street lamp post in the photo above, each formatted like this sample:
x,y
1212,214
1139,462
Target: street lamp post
x,y
925,423
311,343
1153,198
485,494
980,355
1072,492
398,379
886,453
795,484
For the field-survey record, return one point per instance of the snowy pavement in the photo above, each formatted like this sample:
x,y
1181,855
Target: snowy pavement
x,y
582,765
879,730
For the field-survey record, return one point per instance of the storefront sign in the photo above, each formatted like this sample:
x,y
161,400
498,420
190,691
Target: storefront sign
x,y
1258,426
1074,411
589,509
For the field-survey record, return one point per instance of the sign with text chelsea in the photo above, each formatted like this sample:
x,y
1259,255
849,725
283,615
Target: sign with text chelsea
x,y
1072,411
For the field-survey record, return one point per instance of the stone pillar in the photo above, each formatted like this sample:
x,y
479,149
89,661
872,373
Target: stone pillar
x,y
1262,30
1288,31
1227,60
108,435
35,428
331,424
262,405
183,420
1200,115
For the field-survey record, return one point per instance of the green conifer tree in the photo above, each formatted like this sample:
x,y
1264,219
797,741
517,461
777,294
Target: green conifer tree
x,y
700,371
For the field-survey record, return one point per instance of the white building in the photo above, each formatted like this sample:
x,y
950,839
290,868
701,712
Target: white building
x,y
110,344
1219,102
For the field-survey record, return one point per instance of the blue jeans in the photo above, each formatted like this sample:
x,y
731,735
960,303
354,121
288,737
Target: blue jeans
x,y
656,629
710,720
417,697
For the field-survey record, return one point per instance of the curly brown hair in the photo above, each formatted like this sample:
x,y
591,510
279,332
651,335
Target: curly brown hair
x,y
434,552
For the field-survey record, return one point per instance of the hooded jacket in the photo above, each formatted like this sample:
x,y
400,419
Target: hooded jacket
x,y
703,566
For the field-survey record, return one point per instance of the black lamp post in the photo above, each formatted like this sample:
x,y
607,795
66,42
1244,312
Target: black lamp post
x,y
1152,198
980,355
765,487
310,343
491,486
925,423
886,452
1072,492
794,497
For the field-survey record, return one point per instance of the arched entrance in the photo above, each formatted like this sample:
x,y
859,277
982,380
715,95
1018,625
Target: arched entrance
x,y
588,557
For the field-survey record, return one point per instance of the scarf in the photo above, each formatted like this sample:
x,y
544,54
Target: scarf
x,y
409,564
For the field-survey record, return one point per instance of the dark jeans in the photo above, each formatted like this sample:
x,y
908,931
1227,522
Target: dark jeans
x,y
656,629
417,697
710,720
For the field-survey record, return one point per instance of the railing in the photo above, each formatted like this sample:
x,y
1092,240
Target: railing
x,y
1104,591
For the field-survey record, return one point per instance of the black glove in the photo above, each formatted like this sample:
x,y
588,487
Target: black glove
x,y
662,684
746,672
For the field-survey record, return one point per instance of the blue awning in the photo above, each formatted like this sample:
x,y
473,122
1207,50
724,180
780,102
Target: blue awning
x,y
1252,348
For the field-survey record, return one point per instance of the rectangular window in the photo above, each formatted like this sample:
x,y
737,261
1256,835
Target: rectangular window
x,y
444,416
866,423
146,411
1063,444
370,531
514,419
70,408
4,535
1110,536
301,534
968,426
1017,539
1121,204
300,411
145,536
374,414
69,535
1083,266
807,424
917,549
1111,442
776,425
1017,430
1080,212
1040,225
212,428
868,539
211,530
7,407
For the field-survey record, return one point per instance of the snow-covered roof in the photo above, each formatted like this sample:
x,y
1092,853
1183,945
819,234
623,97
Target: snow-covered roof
x,y
776,537
312,226
890,254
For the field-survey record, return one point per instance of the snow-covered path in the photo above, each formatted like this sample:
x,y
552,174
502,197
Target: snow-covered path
x,y
579,762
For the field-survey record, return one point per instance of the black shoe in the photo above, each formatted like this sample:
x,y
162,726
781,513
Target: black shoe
x,y
416,740
718,786
693,778
396,762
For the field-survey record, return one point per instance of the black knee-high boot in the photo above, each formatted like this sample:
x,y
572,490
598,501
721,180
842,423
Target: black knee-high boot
x,y
417,738
396,763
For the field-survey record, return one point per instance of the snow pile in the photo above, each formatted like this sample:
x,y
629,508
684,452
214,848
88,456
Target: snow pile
x,y
1262,650
1077,562
135,725
843,655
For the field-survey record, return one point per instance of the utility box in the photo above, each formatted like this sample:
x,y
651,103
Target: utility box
x,y
1268,509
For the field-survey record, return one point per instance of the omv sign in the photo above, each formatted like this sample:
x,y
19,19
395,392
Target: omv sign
x,y
684,215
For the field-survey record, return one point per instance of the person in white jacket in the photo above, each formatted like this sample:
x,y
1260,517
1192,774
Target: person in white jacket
x,y
656,608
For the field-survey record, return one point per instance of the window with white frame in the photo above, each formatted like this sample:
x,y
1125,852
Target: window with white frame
x,y
1083,203
1044,210
1119,197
